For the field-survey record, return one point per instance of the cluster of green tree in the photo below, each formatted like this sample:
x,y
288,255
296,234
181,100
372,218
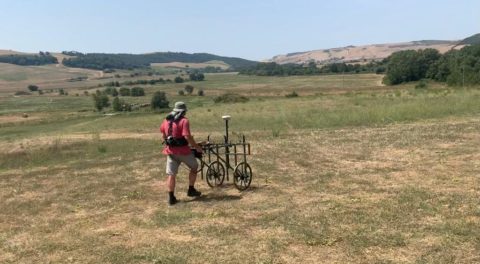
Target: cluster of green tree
x,y
123,91
159,100
212,69
409,65
100,100
145,82
137,91
102,61
42,58
374,66
142,73
32,88
456,67
112,84
72,53
196,76
274,69
188,89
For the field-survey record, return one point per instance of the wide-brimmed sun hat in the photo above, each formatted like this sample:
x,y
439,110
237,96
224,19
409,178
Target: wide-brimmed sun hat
x,y
180,107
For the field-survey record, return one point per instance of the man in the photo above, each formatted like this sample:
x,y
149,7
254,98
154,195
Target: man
x,y
176,133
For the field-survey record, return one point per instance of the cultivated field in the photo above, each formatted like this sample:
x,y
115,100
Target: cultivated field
x,y
183,65
349,171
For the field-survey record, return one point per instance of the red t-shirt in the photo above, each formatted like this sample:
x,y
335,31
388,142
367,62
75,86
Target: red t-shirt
x,y
180,129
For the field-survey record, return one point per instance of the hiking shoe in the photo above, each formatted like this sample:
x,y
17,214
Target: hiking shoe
x,y
193,193
172,201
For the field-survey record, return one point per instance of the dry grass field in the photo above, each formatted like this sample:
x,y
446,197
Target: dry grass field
x,y
183,65
348,172
15,78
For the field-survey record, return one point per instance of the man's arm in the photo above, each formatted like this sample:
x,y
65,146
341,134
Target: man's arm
x,y
193,143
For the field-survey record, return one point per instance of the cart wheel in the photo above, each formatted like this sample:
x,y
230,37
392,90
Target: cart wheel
x,y
215,174
242,176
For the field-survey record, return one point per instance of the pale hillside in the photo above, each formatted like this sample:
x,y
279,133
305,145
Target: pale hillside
x,y
361,53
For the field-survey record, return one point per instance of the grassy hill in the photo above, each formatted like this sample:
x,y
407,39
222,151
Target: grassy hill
x,y
366,53
360,54
14,77
473,40
101,61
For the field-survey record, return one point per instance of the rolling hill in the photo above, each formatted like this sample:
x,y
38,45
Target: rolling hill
x,y
366,53
473,40
360,53
101,61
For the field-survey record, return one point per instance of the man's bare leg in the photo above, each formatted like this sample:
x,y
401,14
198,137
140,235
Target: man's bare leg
x,y
192,177
171,189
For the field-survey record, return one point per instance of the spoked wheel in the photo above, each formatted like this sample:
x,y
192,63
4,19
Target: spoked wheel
x,y
215,174
242,176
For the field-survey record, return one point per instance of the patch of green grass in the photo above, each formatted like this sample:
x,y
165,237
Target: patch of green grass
x,y
164,218
58,153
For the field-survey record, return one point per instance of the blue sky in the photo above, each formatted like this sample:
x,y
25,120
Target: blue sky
x,y
248,29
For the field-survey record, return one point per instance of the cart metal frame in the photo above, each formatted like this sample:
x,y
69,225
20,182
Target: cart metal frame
x,y
221,158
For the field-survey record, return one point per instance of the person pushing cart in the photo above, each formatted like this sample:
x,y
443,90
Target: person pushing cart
x,y
175,130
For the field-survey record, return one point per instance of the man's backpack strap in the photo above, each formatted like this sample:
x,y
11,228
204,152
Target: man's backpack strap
x,y
171,141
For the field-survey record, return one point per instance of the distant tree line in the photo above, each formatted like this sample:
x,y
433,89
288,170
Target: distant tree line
x,y
274,69
99,61
42,58
102,61
456,67
178,79
101,99
212,69
123,91
135,82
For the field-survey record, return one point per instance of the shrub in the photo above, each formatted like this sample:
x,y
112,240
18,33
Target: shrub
x,y
200,93
102,148
22,93
116,105
291,95
421,85
109,90
181,93
197,76
230,98
159,100
179,79
137,91
124,91
100,101
32,88
188,88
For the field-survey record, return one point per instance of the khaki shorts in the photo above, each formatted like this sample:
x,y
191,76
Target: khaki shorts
x,y
174,161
